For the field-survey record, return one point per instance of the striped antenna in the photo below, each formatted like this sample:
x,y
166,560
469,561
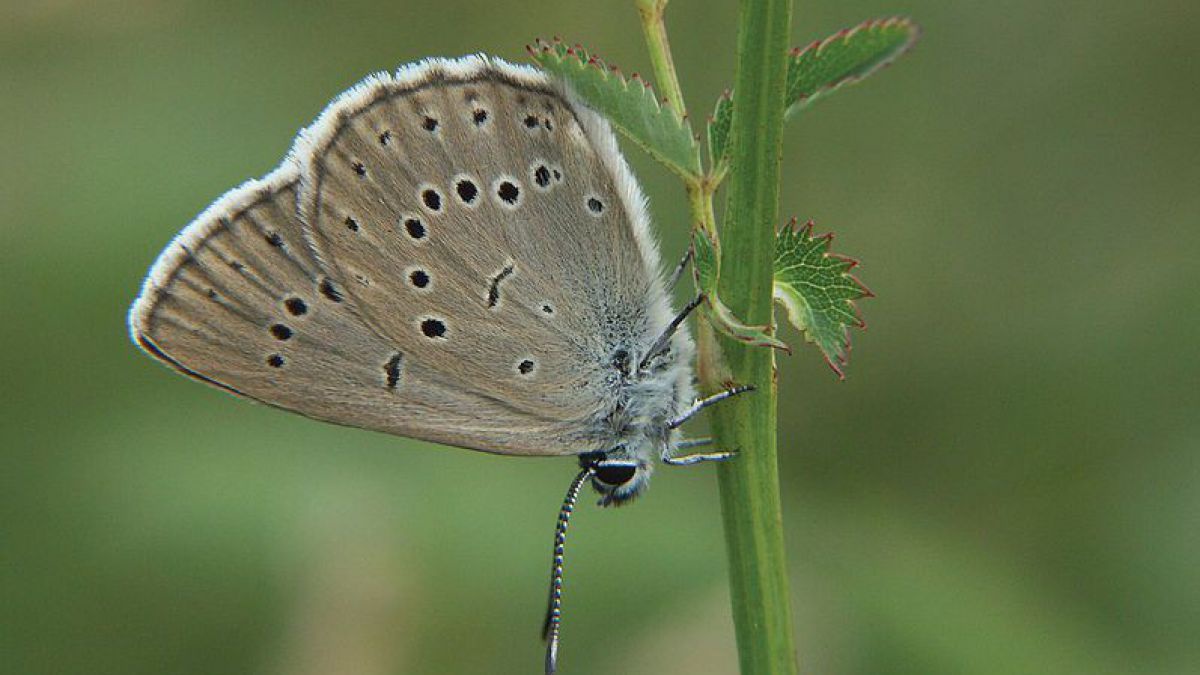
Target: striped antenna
x,y
554,610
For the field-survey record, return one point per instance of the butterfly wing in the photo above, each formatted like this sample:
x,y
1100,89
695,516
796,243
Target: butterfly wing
x,y
486,224
484,317
238,301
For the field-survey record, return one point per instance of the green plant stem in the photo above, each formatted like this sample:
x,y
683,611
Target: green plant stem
x,y
749,486
655,28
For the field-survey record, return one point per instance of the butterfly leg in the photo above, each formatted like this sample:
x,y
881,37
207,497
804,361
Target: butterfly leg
x,y
694,458
697,457
678,273
703,403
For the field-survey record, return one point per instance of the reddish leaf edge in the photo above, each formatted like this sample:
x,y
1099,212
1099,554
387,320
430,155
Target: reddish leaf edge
x,y
914,35
588,59
840,360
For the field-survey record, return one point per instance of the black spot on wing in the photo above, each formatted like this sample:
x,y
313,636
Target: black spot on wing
x,y
296,306
434,328
508,192
466,190
419,278
493,298
392,370
415,228
330,290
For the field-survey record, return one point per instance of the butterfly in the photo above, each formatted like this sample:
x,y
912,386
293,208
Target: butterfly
x,y
458,253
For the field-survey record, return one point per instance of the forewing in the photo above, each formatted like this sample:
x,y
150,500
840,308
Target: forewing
x,y
478,219
239,302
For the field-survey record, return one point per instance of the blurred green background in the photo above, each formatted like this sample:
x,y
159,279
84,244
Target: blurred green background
x,y
1006,483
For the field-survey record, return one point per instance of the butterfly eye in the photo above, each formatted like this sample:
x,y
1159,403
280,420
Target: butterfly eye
x,y
615,474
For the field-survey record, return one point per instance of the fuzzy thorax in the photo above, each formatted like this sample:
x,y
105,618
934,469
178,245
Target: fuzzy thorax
x,y
636,424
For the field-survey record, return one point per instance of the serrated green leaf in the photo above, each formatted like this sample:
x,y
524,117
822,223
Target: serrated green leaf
x,y
818,291
630,105
718,134
843,58
846,57
707,270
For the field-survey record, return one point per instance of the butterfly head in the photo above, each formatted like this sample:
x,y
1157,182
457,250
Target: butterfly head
x,y
617,477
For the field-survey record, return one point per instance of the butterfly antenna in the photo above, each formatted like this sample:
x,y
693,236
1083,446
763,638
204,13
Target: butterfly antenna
x,y
661,344
554,610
